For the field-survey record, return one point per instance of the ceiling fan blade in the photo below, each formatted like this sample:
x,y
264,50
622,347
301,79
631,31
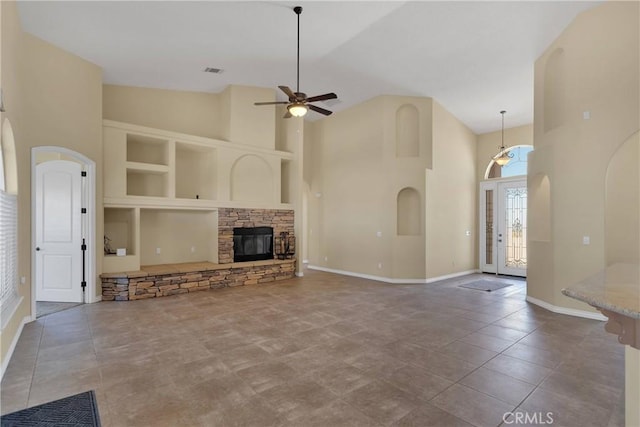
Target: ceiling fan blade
x,y
287,115
271,103
322,97
288,91
319,110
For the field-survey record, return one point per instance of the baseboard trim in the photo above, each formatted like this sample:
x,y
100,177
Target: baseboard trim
x,y
567,311
299,274
389,279
12,347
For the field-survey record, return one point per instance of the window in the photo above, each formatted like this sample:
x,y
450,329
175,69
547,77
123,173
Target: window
x,y
8,224
516,167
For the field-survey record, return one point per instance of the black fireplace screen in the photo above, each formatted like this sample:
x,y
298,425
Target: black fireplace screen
x,y
252,243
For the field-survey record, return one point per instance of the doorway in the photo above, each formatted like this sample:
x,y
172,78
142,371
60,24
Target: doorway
x,y
503,227
63,224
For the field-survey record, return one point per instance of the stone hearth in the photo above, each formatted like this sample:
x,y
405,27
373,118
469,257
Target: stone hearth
x,y
171,279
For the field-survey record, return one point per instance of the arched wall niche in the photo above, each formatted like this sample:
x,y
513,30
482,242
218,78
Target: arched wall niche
x,y
554,90
622,204
407,131
8,159
540,208
409,218
251,180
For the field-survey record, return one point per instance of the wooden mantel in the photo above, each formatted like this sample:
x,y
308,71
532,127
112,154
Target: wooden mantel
x,y
615,292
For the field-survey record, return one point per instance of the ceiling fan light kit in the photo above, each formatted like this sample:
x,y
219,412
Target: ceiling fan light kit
x,y
299,104
297,109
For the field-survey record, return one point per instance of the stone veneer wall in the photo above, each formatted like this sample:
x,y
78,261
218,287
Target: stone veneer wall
x,y
141,285
228,218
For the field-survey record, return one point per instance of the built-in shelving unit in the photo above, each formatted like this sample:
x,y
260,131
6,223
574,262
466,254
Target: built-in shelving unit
x,y
154,177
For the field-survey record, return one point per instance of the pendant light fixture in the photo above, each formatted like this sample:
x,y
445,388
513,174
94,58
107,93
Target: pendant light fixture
x,y
503,157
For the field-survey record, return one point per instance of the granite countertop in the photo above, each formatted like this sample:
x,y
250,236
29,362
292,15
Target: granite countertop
x,y
616,289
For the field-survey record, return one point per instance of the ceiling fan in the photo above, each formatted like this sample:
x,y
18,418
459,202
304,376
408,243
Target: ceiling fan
x,y
298,103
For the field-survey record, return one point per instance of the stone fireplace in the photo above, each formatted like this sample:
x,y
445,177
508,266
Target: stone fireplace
x,y
252,243
280,220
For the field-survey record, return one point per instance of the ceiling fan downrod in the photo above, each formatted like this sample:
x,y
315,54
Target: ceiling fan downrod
x,y
298,11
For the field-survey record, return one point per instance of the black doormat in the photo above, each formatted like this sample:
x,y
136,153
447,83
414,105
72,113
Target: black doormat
x,y
485,285
80,410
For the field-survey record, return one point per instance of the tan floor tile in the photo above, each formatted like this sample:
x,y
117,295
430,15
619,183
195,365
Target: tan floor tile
x,y
375,362
472,406
268,375
336,414
220,354
294,399
467,352
519,369
416,382
427,415
341,378
488,342
500,386
504,333
583,389
382,401
563,410
539,356
243,357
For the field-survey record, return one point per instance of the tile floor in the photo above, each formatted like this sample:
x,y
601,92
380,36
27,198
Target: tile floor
x,y
323,350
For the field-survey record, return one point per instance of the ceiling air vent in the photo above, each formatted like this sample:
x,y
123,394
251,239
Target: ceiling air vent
x,y
213,70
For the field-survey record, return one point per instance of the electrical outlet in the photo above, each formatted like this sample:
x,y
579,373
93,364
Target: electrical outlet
x,y
158,251
378,233
586,240
379,266
23,280
193,249
326,258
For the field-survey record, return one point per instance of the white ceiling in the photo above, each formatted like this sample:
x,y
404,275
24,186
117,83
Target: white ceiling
x,y
475,58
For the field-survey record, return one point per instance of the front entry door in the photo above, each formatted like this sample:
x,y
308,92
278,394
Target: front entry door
x,y
58,231
503,234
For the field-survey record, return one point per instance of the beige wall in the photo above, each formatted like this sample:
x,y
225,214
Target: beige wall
x,y
229,115
182,236
354,175
593,67
193,113
451,197
247,123
52,98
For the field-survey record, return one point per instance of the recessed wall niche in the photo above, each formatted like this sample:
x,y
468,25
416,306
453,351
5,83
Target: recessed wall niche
x,y
622,204
554,90
251,180
195,172
409,212
407,131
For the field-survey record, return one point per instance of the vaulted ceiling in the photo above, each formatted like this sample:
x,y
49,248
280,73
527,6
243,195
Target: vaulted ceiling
x,y
475,58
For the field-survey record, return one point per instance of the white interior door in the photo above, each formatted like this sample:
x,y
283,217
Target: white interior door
x,y
503,227
58,231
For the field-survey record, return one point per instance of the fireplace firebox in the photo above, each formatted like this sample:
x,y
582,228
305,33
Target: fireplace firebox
x,y
252,243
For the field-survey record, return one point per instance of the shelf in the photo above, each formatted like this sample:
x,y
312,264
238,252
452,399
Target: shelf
x,y
195,172
119,228
147,183
147,168
146,149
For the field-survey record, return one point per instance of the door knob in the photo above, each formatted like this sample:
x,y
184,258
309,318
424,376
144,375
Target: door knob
x,y
37,248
